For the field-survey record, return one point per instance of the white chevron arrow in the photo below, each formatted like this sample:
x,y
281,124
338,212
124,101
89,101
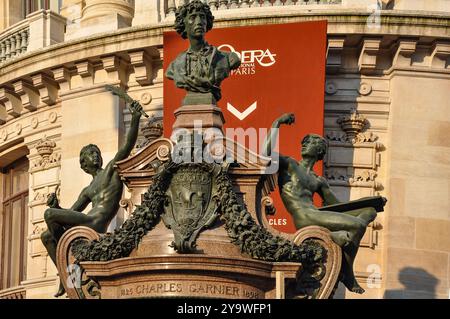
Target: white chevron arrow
x,y
241,115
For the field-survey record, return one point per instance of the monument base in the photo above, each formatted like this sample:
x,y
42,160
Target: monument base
x,y
197,276
202,116
217,265
193,98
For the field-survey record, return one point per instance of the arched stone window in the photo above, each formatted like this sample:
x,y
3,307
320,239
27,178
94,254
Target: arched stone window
x,y
13,223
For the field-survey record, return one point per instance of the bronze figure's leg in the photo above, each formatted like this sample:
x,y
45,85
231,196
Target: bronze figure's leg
x,y
347,229
58,221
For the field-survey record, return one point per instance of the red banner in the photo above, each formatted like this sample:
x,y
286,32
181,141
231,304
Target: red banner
x,y
282,70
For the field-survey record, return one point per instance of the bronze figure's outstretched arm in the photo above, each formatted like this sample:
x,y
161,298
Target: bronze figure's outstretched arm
x,y
125,150
270,141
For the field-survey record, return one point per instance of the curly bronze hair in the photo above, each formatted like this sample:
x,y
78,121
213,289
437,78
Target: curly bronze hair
x,y
324,144
92,149
190,7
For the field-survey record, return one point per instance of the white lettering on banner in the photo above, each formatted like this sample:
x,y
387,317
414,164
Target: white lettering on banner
x,y
249,58
241,115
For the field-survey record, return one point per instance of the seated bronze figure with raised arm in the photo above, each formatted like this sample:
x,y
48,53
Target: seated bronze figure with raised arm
x,y
104,192
297,183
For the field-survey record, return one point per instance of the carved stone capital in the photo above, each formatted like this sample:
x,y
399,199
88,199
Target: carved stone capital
x,y
352,124
151,131
48,158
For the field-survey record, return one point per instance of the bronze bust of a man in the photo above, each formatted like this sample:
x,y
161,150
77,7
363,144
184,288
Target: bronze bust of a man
x,y
202,68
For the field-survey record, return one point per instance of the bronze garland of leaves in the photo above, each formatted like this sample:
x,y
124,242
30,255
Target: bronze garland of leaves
x,y
256,241
122,241
252,239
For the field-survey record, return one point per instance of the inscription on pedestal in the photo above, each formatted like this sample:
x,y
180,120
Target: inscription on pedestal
x,y
196,288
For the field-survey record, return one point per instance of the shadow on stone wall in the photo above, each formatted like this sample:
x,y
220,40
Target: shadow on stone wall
x,y
418,284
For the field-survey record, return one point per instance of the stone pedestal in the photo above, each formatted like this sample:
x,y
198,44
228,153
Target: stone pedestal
x,y
192,117
215,266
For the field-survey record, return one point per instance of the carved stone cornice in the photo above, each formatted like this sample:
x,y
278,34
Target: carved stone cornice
x,y
404,51
334,54
28,94
141,62
116,69
48,88
85,69
368,56
62,75
440,54
10,102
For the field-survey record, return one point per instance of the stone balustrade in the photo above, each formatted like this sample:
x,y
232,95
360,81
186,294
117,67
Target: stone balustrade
x,y
39,29
14,41
171,5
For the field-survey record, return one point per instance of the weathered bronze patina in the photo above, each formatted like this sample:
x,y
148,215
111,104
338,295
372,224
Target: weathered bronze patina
x,y
202,68
104,192
242,229
297,183
198,200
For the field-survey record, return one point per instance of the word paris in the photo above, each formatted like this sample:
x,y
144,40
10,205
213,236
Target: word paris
x,y
249,59
211,146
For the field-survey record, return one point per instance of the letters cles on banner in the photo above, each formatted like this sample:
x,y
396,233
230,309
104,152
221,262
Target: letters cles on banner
x,y
282,70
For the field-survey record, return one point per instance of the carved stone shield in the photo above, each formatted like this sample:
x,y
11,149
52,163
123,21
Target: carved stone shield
x,y
189,207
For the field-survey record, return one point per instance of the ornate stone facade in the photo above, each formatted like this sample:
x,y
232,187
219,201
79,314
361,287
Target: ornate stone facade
x,y
386,115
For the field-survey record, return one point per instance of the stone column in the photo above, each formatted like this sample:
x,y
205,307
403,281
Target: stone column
x,y
106,15
146,12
